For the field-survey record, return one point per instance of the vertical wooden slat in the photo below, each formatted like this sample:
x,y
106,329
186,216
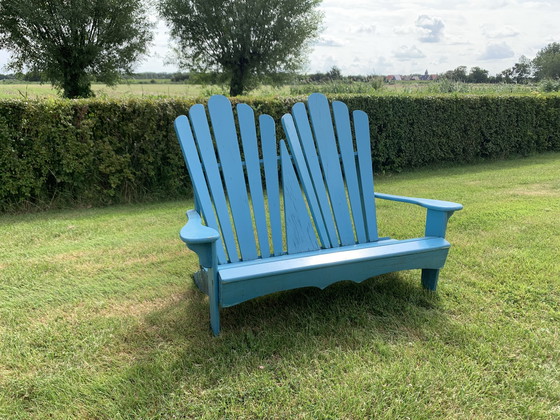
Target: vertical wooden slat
x,y
346,146
270,161
190,154
363,145
227,143
300,235
308,145
320,114
308,185
248,132
199,120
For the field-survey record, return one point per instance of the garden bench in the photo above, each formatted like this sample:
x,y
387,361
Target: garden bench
x,y
275,216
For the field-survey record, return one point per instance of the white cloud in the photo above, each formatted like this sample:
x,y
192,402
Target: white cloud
x,y
490,31
497,52
408,53
327,42
366,29
430,28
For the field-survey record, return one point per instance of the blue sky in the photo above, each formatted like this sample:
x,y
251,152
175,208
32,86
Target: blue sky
x,y
390,37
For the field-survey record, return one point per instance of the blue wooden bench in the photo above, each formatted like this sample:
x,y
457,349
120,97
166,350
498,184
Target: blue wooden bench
x,y
275,216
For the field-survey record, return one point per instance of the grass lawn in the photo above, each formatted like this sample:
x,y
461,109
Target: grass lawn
x,y
99,317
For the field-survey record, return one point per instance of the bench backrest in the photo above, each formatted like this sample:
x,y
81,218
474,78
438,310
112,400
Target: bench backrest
x,y
322,197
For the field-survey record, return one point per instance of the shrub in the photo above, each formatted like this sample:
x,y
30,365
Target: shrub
x,y
550,85
96,152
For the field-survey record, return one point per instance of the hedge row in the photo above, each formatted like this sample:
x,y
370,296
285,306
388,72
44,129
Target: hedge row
x,y
95,152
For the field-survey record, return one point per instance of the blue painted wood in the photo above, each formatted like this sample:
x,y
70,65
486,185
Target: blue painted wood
x,y
436,222
320,114
248,131
346,146
437,215
311,162
323,269
294,140
305,264
363,146
199,121
190,154
270,162
225,134
214,298
430,278
194,232
300,235
424,202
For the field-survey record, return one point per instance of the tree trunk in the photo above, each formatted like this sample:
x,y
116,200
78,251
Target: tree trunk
x,y
238,82
76,84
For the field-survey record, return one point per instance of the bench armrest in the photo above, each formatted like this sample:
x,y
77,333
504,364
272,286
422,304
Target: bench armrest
x,y
437,215
194,232
200,239
424,202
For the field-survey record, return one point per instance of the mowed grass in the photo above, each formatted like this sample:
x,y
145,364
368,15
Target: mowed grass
x,y
99,317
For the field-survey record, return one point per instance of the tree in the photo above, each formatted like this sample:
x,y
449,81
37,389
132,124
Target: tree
x,y
522,70
478,75
457,75
334,73
547,62
73,41
242,39
507,75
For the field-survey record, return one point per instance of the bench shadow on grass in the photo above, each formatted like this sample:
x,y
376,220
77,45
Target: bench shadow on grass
x,y
293,325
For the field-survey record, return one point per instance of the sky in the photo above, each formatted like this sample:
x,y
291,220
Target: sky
x,y
404,37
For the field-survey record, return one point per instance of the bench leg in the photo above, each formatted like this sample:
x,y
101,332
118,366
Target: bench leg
x,y
214,301
215,317
430,278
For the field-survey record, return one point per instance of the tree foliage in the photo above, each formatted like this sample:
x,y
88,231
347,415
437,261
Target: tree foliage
x,y
73,41
457,75
242,39
547,62
478,75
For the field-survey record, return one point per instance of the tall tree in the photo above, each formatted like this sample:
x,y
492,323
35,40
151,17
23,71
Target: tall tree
x,y
522,70
244,39
478,75
73,41
458,75
547,62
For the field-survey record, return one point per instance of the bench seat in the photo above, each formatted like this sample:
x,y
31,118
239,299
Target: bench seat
x,y
246,280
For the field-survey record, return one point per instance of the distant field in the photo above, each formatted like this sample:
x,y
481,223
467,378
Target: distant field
x,y
133,90
164,88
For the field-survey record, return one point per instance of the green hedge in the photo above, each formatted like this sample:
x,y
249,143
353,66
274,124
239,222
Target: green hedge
x,y
95,152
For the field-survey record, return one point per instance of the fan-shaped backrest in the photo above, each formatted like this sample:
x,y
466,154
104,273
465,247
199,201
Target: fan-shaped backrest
x,y
321,203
